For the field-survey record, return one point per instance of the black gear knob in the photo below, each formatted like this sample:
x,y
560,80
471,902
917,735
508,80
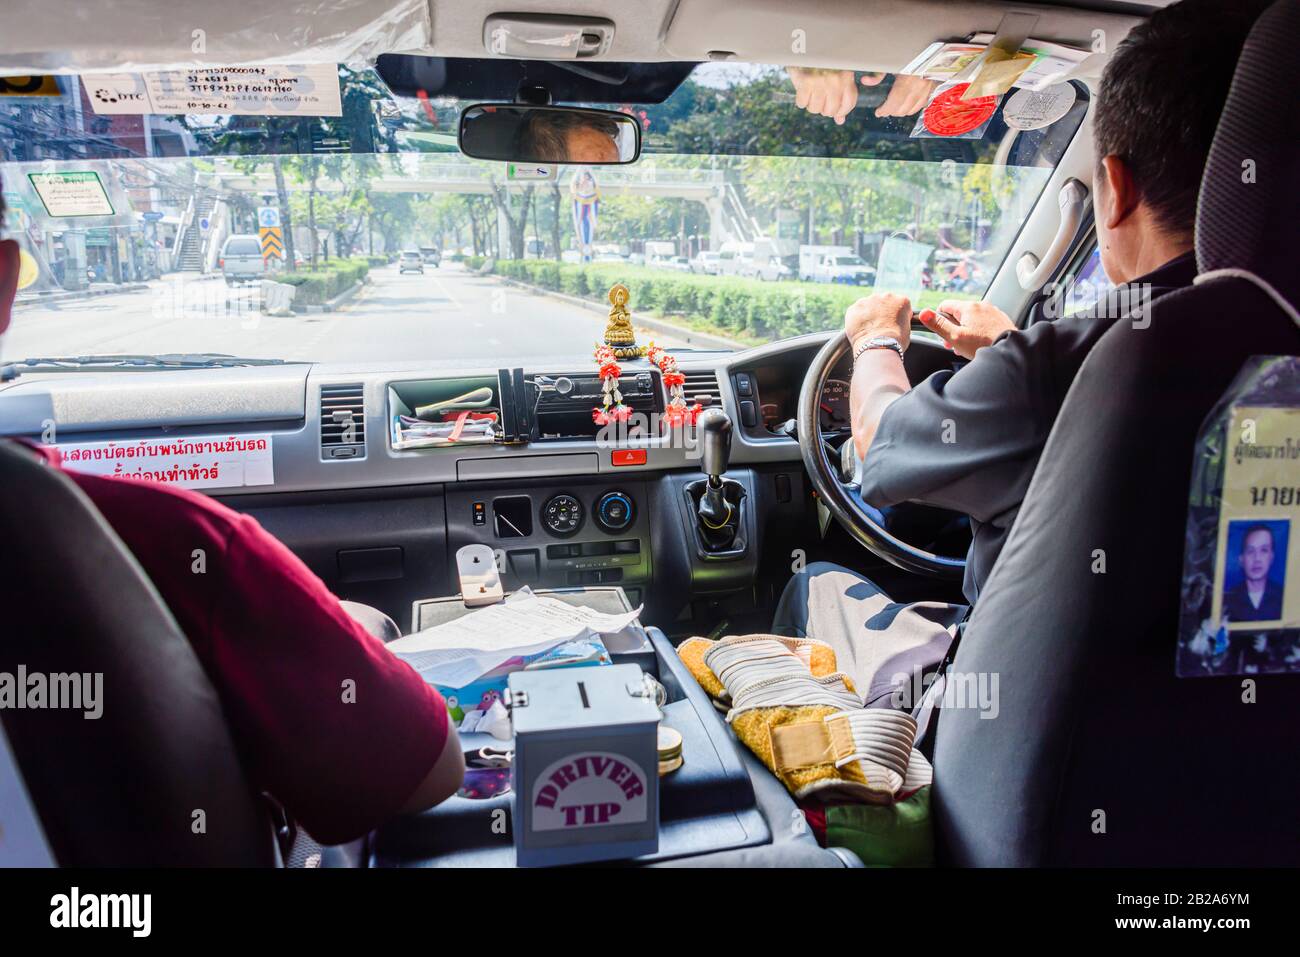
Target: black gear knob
x,y
713,432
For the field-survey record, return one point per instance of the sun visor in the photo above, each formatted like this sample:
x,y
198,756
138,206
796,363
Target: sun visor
x,y
1241,568
71,36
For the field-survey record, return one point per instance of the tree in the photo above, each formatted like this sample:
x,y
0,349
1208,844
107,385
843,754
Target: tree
x,y
515,225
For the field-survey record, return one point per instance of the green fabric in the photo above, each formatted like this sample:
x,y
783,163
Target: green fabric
x,y
885,835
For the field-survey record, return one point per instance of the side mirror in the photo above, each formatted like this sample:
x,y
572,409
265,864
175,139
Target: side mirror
x,y
548,134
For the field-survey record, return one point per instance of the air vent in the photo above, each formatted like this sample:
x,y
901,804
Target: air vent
x,y
702,384
342,421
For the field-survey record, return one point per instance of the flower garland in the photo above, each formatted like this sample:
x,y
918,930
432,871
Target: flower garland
x,y
678,412
612,408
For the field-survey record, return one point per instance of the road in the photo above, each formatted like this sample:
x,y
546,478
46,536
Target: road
x,y
445,314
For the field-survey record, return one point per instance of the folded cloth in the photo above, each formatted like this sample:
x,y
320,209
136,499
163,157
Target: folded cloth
x,y
817,657
805,721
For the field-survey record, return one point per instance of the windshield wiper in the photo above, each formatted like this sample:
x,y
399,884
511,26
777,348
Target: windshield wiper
x,y
170,360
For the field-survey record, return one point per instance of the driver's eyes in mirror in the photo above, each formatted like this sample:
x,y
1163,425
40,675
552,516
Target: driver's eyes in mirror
x,y
535,134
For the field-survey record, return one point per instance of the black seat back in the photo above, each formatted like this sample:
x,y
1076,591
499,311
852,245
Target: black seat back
x,y
155,780
1098,754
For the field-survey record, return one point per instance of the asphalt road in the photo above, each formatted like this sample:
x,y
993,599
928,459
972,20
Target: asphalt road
x,y
444,314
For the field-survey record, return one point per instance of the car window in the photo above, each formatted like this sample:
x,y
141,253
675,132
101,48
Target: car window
x,y
243,247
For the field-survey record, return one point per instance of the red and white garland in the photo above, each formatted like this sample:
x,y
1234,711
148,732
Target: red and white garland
x,y
612,408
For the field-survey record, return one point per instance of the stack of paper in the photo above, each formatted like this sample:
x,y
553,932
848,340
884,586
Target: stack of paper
x,y
945,62
454,654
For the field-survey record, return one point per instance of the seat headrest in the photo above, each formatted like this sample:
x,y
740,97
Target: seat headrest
x,y
1248,206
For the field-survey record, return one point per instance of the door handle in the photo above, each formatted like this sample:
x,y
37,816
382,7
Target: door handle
x,y
1029,270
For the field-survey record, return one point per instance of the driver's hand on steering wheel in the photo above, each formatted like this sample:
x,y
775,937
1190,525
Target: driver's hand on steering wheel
x,y
834,93
967,327
882,314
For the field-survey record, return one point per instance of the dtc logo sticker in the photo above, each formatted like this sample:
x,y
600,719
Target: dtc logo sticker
x,y
593,789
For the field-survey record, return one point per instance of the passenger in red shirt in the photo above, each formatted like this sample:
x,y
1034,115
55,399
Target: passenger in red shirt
x,y
328,721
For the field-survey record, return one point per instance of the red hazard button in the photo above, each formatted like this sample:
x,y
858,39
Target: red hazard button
x,y
627,457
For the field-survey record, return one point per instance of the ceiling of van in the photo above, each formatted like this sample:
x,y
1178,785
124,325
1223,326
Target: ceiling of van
x,y
127,35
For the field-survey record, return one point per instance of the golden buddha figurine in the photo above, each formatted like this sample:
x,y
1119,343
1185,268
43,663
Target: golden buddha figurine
x,y
619,334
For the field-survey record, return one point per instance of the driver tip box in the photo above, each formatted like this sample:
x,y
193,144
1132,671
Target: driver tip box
x,y
586,776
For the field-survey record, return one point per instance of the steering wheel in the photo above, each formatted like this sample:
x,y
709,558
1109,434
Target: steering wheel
x,y
840,494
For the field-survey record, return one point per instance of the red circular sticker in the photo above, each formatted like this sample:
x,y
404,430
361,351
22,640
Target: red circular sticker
x,y
949,115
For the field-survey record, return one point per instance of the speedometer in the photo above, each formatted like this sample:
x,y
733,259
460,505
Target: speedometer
x,y
834,407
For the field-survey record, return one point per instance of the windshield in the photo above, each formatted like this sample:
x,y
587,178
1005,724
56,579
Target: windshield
x,y
283,238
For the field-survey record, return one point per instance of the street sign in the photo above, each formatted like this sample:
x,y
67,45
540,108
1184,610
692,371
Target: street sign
x,y
151,216
204,224
67,195
268,217
29,86
272,243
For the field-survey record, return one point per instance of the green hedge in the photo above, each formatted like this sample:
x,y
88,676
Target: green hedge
x,y
744,309
328,280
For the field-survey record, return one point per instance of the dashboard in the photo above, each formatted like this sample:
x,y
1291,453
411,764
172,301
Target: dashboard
x,y
379,518
776,390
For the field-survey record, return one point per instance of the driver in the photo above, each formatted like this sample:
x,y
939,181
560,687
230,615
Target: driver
x,y
970,440
328,721
562,136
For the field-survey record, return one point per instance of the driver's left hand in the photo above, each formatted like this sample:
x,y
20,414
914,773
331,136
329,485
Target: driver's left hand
x,y
967,327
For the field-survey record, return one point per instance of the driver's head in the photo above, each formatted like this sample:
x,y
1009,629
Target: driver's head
x,y
1159,104
563,137
1256,556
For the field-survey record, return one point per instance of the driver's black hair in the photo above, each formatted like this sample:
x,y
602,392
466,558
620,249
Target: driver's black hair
x,y
1161,96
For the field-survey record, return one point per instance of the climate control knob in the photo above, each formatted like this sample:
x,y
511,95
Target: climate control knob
x,y
562,515
615,511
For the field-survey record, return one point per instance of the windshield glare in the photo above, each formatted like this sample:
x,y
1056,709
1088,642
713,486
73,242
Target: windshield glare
x,y
745,221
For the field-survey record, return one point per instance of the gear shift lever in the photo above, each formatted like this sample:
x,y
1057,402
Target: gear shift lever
x,y
713,430
717,500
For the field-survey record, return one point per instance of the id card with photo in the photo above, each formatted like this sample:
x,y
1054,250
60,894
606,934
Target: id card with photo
x,y
1241,570
1259,508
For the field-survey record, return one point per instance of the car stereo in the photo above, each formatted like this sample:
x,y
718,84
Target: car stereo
x,y
563,403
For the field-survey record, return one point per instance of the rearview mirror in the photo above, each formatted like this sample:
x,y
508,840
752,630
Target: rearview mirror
x,y
548,134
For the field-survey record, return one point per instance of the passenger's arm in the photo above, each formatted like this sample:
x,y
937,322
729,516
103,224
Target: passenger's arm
x,y
443,779
333,724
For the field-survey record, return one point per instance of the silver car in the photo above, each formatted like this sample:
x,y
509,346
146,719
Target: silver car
x,y
241,259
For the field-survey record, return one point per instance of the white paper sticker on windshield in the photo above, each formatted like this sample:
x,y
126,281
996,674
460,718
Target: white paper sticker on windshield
x,y
72,194
311,90
202,462
1034,109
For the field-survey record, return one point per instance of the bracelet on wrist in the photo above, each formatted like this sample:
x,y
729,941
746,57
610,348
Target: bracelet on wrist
x,y
877,342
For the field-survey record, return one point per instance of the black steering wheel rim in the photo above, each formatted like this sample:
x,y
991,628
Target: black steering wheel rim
x,y
845,507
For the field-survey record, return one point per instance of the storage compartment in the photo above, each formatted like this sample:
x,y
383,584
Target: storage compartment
x,y
445,413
